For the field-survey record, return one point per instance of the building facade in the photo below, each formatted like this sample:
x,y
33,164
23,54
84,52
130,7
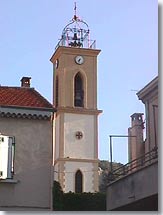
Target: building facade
x,y
149,96
26,174
137,186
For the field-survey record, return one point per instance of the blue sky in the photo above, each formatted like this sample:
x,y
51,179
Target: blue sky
x,y
126,32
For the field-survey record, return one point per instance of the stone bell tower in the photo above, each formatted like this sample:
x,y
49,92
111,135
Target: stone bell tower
x,y
76,118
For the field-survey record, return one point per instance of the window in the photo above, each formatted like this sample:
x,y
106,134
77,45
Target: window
x,y
79,93
56,94
78,182
7,151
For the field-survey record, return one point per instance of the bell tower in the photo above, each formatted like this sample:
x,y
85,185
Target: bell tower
x,y
76,118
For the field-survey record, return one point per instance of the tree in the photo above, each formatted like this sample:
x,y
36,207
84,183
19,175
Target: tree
x,y
57,196
106,174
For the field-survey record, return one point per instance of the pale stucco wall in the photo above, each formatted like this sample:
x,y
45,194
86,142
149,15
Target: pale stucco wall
x,y
79,148
73,154
87,172
33,163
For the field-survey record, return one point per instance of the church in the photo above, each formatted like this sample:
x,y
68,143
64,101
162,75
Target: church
x,y
42,142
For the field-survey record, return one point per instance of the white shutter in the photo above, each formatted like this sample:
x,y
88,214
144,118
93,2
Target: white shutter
x,y
6,156
4,148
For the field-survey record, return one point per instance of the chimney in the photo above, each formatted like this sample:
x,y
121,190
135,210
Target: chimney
x,y
25,81
137,120
136,137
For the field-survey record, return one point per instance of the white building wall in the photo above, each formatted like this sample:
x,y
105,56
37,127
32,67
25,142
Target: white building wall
x,y
79,148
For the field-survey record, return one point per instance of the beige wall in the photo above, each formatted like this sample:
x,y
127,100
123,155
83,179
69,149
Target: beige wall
x,y
33,163
152,123
68,69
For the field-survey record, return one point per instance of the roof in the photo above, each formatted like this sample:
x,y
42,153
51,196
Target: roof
x,y
22,97
150,89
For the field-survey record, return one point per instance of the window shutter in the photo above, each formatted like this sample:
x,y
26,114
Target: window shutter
x,y
6,156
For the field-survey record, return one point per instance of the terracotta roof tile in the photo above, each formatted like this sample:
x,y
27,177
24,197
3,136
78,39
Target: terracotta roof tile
x,y
22,97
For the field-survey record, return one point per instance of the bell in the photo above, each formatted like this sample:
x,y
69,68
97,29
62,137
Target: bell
x,y
75,36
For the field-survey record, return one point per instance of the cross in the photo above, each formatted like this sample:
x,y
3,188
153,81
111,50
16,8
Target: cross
x,y
75,17
75,8
79,135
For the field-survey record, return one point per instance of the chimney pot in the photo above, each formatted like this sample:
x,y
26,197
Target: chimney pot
x,y
25,81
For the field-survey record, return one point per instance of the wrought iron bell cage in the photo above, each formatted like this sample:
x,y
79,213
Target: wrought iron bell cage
x,y
76,34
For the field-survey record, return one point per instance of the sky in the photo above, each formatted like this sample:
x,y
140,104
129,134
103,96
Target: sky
x,y
126,32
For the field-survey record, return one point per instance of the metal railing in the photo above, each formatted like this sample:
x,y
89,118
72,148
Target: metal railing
x,y
90,44
144,160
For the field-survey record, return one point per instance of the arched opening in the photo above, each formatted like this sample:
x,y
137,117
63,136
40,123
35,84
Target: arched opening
x,y
78,91
78,182
56,92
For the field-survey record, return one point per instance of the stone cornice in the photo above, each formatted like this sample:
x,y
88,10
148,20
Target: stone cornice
x,y
70,50
78,110
76,160
25,113
151,89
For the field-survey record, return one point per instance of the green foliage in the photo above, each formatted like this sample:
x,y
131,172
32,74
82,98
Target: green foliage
x,y
84,202
106,174
77,201
104,165
57,196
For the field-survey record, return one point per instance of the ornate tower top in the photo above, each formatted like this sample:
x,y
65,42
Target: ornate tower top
x,y
76,34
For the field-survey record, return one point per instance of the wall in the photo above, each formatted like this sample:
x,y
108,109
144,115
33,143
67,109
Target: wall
x,y
130,189
72,154
149,96
67,70
33,163
151,106
87,170
79,148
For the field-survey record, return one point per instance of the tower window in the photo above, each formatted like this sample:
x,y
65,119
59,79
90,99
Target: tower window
x,y
56,93
79,93
78,182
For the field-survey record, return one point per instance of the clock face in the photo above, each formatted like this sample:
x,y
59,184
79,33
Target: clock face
x,y
79,59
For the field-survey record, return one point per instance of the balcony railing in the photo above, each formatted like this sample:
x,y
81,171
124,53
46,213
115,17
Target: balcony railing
x,y
144,160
